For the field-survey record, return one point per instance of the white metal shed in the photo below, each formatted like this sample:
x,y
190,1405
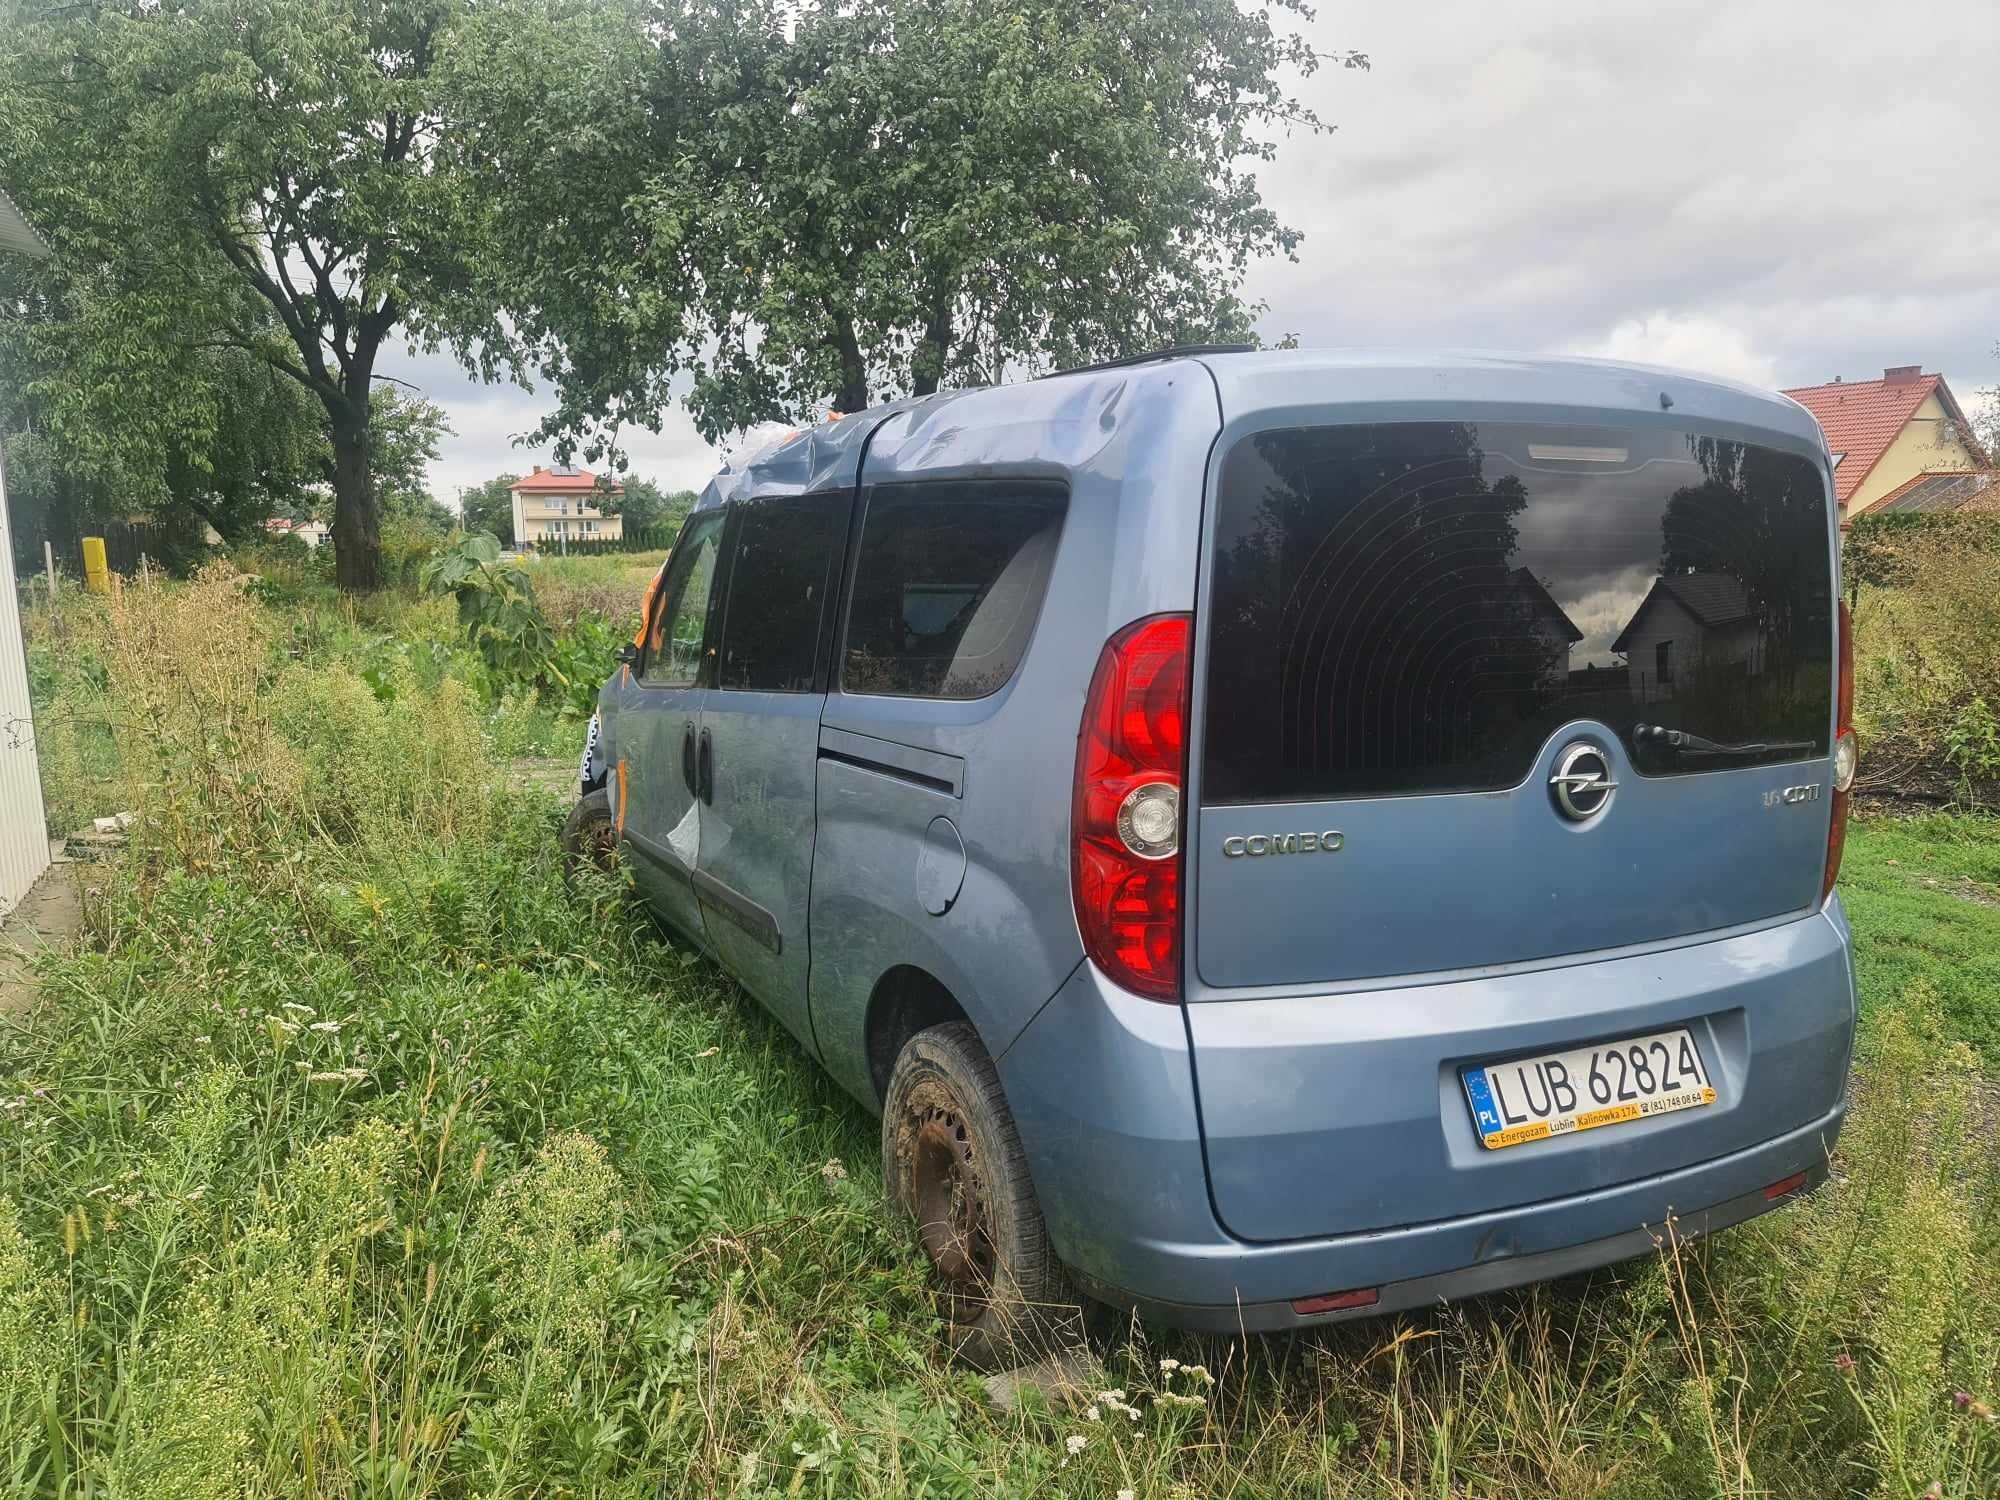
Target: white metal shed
x,y
24,833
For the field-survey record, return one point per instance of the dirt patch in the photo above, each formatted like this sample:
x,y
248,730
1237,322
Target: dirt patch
x,y
50,915
554,774
1964,887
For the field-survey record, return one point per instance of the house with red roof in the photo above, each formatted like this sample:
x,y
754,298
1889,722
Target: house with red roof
x,y
1899,443
553,505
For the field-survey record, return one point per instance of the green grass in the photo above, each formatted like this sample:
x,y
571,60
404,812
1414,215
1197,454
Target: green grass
x,y
1924,897
369,1161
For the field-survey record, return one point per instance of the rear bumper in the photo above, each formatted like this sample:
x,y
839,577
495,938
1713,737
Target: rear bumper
x,y
1104,1095
1473,1280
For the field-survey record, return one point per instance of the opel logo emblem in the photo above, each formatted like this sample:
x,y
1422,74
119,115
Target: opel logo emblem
x,y
1582,784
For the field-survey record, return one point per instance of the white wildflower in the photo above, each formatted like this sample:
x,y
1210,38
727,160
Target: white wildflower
x,y
833,1171
1074,1444
1127,1495
328,1028
1091,1414
340,1075
1168,1366
297,1009
1198,1372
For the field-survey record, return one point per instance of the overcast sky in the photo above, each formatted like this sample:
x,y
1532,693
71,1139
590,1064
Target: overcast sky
x,y
1781,192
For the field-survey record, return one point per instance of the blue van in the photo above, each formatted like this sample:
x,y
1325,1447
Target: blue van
x,y
1279,836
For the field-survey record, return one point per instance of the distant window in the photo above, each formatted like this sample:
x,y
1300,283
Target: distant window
x,y
948,583
1663,663
680,620
779,579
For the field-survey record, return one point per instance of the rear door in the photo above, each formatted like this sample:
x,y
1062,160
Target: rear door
x,y
659,727
1444,666
759,742
1482,693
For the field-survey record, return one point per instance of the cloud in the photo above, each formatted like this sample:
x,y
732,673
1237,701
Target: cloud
x,y
489,423
1780,191
1693,342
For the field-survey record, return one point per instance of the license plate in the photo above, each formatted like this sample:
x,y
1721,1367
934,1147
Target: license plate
x,y
1532,1098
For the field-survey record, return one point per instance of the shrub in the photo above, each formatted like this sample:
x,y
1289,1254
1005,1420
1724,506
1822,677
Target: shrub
x,y
504,620
1927,667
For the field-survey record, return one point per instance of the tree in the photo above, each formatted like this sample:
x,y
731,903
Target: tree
x,y
855,201
489,507
217,438
255,176
647,507
407,432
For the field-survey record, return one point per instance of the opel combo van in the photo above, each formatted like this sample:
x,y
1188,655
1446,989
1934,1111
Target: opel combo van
x,y
1278,836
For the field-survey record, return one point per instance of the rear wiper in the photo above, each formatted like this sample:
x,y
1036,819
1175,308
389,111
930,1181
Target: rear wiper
x,y
1659,737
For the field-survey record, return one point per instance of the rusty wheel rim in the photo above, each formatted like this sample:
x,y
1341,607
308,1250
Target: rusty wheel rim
x,y
600,844
949,1197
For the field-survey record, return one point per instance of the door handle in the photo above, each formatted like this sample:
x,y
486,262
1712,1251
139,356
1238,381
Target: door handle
x,y
705,770
687,759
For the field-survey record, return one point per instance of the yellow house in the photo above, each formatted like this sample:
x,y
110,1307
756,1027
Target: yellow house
x,y
552,505
1899,443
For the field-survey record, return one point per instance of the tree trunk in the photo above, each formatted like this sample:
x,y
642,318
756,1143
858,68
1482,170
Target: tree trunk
x,y
357,523
853,396
927,369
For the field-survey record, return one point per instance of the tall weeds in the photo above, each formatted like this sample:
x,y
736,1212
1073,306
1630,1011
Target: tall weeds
x,y
363,1159
237,758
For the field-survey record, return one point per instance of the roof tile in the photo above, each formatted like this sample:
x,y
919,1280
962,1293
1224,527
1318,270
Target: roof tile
x,y
1861,419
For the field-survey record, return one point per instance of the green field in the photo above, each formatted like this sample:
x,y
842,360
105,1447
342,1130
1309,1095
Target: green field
x,y
353,1155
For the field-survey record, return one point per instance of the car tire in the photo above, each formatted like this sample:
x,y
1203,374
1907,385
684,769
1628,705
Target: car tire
x,y
953,1165
590,835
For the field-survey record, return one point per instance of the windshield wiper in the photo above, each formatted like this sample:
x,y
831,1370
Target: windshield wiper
x,y
1679,741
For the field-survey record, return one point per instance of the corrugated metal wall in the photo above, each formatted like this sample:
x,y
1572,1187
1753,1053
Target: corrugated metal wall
x,y
24,834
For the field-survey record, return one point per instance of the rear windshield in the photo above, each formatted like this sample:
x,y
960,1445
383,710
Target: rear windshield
x,y
1417,607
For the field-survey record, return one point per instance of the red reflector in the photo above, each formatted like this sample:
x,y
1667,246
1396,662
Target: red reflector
x,y
1786,1185
1366,1296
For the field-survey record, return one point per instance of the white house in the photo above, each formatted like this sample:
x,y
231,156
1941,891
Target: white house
x,y
552,505
1687,624
24,832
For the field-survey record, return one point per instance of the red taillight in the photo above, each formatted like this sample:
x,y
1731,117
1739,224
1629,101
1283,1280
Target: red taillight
x,y
1131,762
1845,755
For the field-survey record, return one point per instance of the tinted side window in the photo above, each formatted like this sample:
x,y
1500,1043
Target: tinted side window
x,y
782,570
948,582
680,621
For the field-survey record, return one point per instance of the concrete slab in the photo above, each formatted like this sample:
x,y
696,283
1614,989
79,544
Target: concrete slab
x,y
1068,1372
50,915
